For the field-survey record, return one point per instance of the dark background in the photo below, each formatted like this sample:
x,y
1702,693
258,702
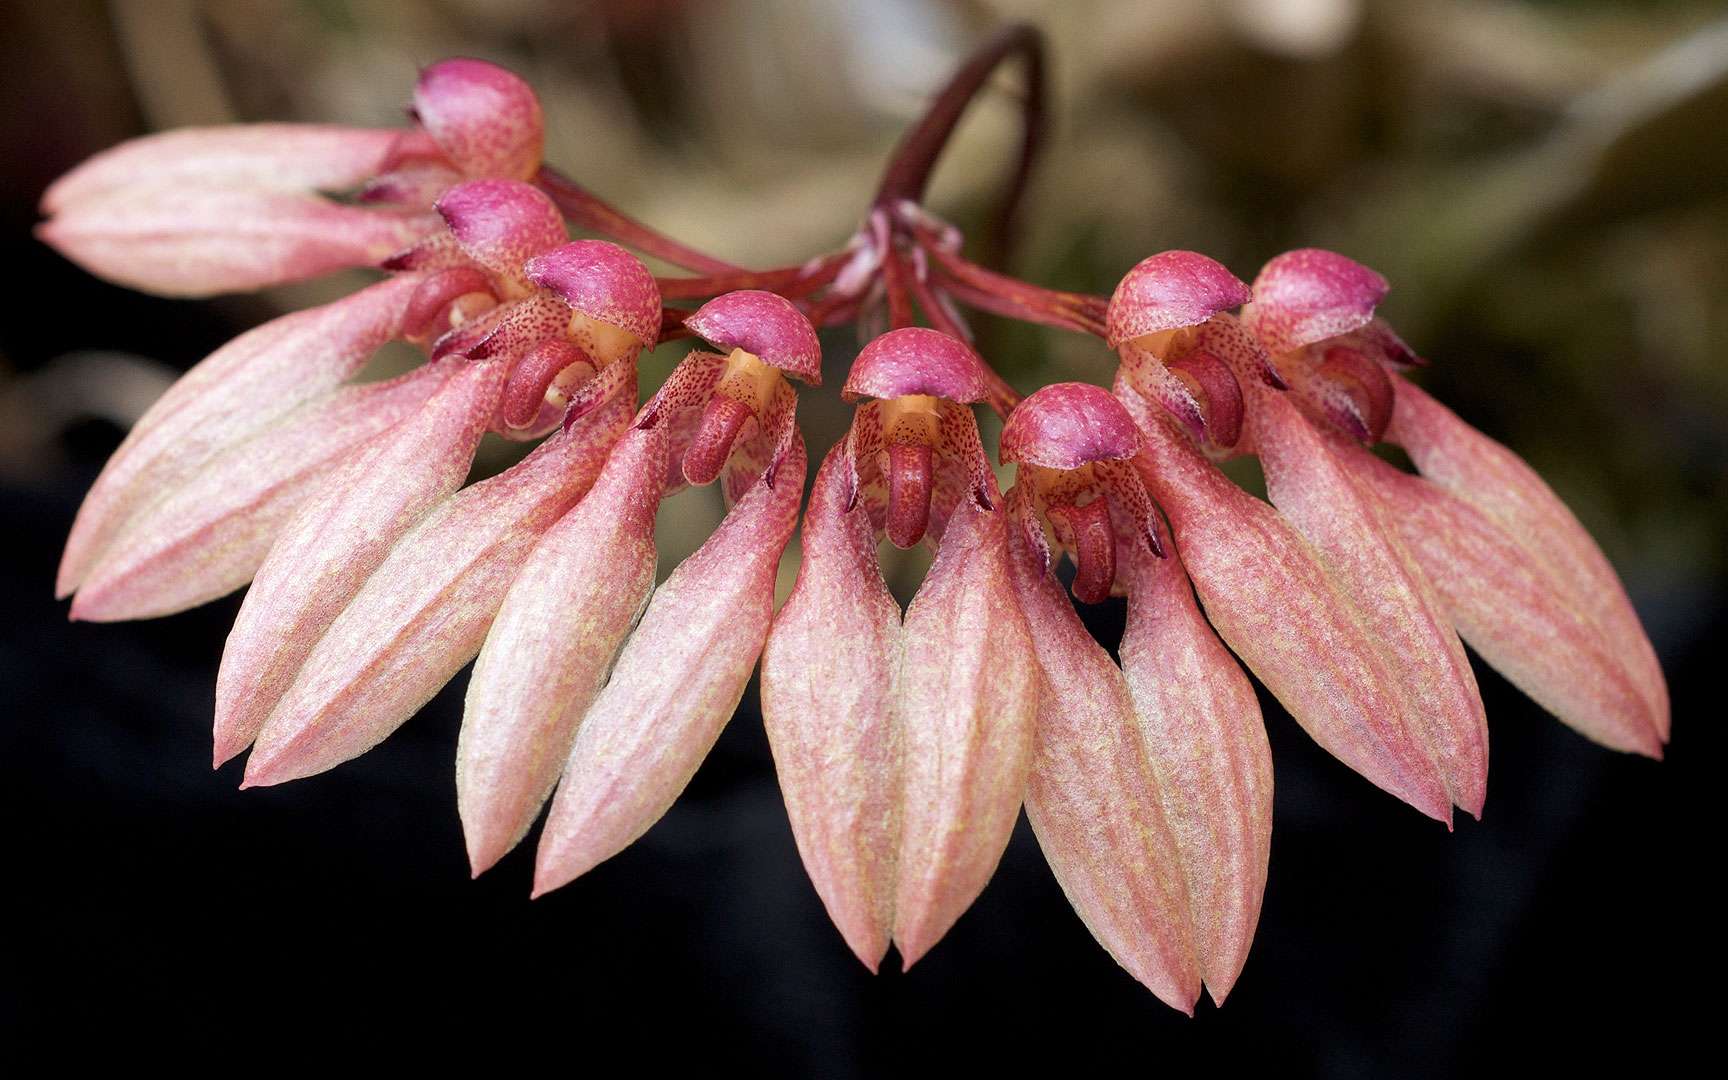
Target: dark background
x,y
1555,231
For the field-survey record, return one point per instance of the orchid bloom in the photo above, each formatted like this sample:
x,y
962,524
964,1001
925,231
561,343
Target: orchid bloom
x,y
906,741
209,210
902,741
1510,568
1161,762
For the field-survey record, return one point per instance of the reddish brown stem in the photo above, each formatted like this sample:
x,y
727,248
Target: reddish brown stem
x,y
895,277
831,310
1009,308
909,170
1002,397
1023,295
789,281
672,324
590,212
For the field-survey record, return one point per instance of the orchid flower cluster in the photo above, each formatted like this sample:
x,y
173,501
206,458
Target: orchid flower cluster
x,y
906,741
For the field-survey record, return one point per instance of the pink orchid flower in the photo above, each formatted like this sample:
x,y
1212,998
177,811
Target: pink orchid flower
x,y
208,210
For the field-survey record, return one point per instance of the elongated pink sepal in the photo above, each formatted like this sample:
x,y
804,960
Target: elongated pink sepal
x,y
208,537
1267,594
676,683
185,240
1200,725
337,538
1094,798
967,700
1507,603
551,646
828,692
425,611
287,157
1362,552
236,391
1480,471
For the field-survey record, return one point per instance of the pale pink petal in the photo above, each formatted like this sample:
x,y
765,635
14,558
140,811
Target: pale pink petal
x,y
338,537
549,650
1482,472
235,391
484,118
1509,606
1361,551
766,325
1094,799
915,360
1168,291
1269,597
309,157
208,537
968,691
675,685
185,240
425,611
1200,724
1308,295
828,673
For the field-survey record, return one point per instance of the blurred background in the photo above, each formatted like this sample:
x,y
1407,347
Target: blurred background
x,y
1544,182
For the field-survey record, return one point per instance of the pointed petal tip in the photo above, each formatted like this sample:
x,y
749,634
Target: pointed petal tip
x,y
910,954
269,766
481,860
546,880
485,846
89,606
223,752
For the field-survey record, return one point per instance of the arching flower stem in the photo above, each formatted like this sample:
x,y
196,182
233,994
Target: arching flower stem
x,y
589,211
908,172
789,281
